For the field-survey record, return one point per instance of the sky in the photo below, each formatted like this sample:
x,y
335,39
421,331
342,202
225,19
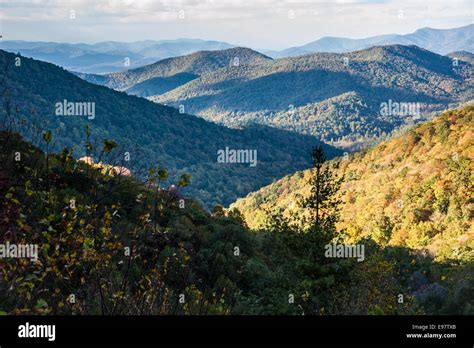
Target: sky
x,y
261,24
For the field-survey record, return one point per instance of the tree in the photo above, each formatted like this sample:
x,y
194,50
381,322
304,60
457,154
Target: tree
x,y
324,201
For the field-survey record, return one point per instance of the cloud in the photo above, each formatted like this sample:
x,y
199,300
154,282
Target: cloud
x,y
260,23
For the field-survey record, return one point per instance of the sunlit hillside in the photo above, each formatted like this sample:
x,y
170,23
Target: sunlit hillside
x,y
413,191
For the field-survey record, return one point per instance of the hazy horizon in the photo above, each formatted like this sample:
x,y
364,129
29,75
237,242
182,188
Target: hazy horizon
x,y
264,24
231,43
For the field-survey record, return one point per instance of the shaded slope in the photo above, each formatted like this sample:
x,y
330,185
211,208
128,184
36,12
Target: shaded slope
x,y
196,64
274,92
152,134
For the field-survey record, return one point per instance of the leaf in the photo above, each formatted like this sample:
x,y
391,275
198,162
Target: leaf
x,y
109,145
184,180
162,174
28,187
47,136
41,303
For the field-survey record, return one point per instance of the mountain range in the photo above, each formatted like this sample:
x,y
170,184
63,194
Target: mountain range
x,y
85,179
114,56
151,133
108,56
336,97
279,107
167,74
440,41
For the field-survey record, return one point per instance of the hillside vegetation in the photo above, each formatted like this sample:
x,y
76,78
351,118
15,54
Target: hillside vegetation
x,y
305,93
167,74
150,133
413,191
336,97
109,244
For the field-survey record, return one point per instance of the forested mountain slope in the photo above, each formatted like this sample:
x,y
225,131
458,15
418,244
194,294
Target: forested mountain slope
x,y
167,74
335,97
151,133
125,248
413,191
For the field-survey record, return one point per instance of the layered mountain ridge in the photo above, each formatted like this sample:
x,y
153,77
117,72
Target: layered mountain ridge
x,y
152,134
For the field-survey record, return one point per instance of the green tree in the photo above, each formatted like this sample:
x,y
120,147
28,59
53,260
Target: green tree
x,y
324,201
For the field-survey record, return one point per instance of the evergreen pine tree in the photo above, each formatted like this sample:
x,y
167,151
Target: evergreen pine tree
x,y
324,201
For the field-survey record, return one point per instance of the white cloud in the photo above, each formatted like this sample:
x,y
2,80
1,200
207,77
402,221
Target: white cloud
x,y
257,23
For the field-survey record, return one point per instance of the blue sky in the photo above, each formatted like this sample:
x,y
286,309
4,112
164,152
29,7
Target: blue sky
x,y
268,24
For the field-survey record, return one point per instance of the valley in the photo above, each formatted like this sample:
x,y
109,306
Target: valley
x,y
157,163
153,134
336,97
